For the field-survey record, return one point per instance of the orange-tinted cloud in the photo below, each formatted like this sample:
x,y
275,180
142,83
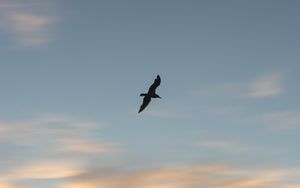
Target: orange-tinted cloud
x,y
43,170
84,146
4,185
208,176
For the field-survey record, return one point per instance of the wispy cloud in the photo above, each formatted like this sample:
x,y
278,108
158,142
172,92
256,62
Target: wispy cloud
x,y
30,29
5,185
183,176
57,148
224,145
64,133
42,170
209,176
84,146
266,86
25,21
41,129
282,120
263,86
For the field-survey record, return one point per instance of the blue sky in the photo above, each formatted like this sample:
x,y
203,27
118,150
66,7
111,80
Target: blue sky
x,y
72,71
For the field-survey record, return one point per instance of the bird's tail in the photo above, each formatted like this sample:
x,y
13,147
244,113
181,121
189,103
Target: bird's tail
x,y
143,94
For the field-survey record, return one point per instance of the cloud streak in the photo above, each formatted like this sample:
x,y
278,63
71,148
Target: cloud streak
x,y
30,29
66,133
190,176
42,170
224,145
57,146
5,185
26,23
283,120
185,176
84,146
266,86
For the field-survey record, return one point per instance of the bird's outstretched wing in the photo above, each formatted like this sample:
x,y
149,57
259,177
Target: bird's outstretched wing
x,y
154,85
146,101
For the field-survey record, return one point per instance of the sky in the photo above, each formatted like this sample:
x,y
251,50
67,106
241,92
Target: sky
x,y
72,71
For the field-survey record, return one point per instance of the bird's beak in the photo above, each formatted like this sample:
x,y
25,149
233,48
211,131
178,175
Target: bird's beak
x,y
159,97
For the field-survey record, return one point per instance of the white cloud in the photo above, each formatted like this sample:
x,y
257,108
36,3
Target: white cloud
x,y
266,86
30,29
25,22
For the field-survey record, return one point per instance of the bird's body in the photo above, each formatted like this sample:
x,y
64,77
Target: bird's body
x,y
151,94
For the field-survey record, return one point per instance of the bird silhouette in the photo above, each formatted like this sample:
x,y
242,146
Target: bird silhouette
x,y
151,94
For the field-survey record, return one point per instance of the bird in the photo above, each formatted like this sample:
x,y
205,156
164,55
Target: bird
x,y
151,94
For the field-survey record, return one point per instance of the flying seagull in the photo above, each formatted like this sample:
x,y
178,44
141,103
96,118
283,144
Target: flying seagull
x,y
151,94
